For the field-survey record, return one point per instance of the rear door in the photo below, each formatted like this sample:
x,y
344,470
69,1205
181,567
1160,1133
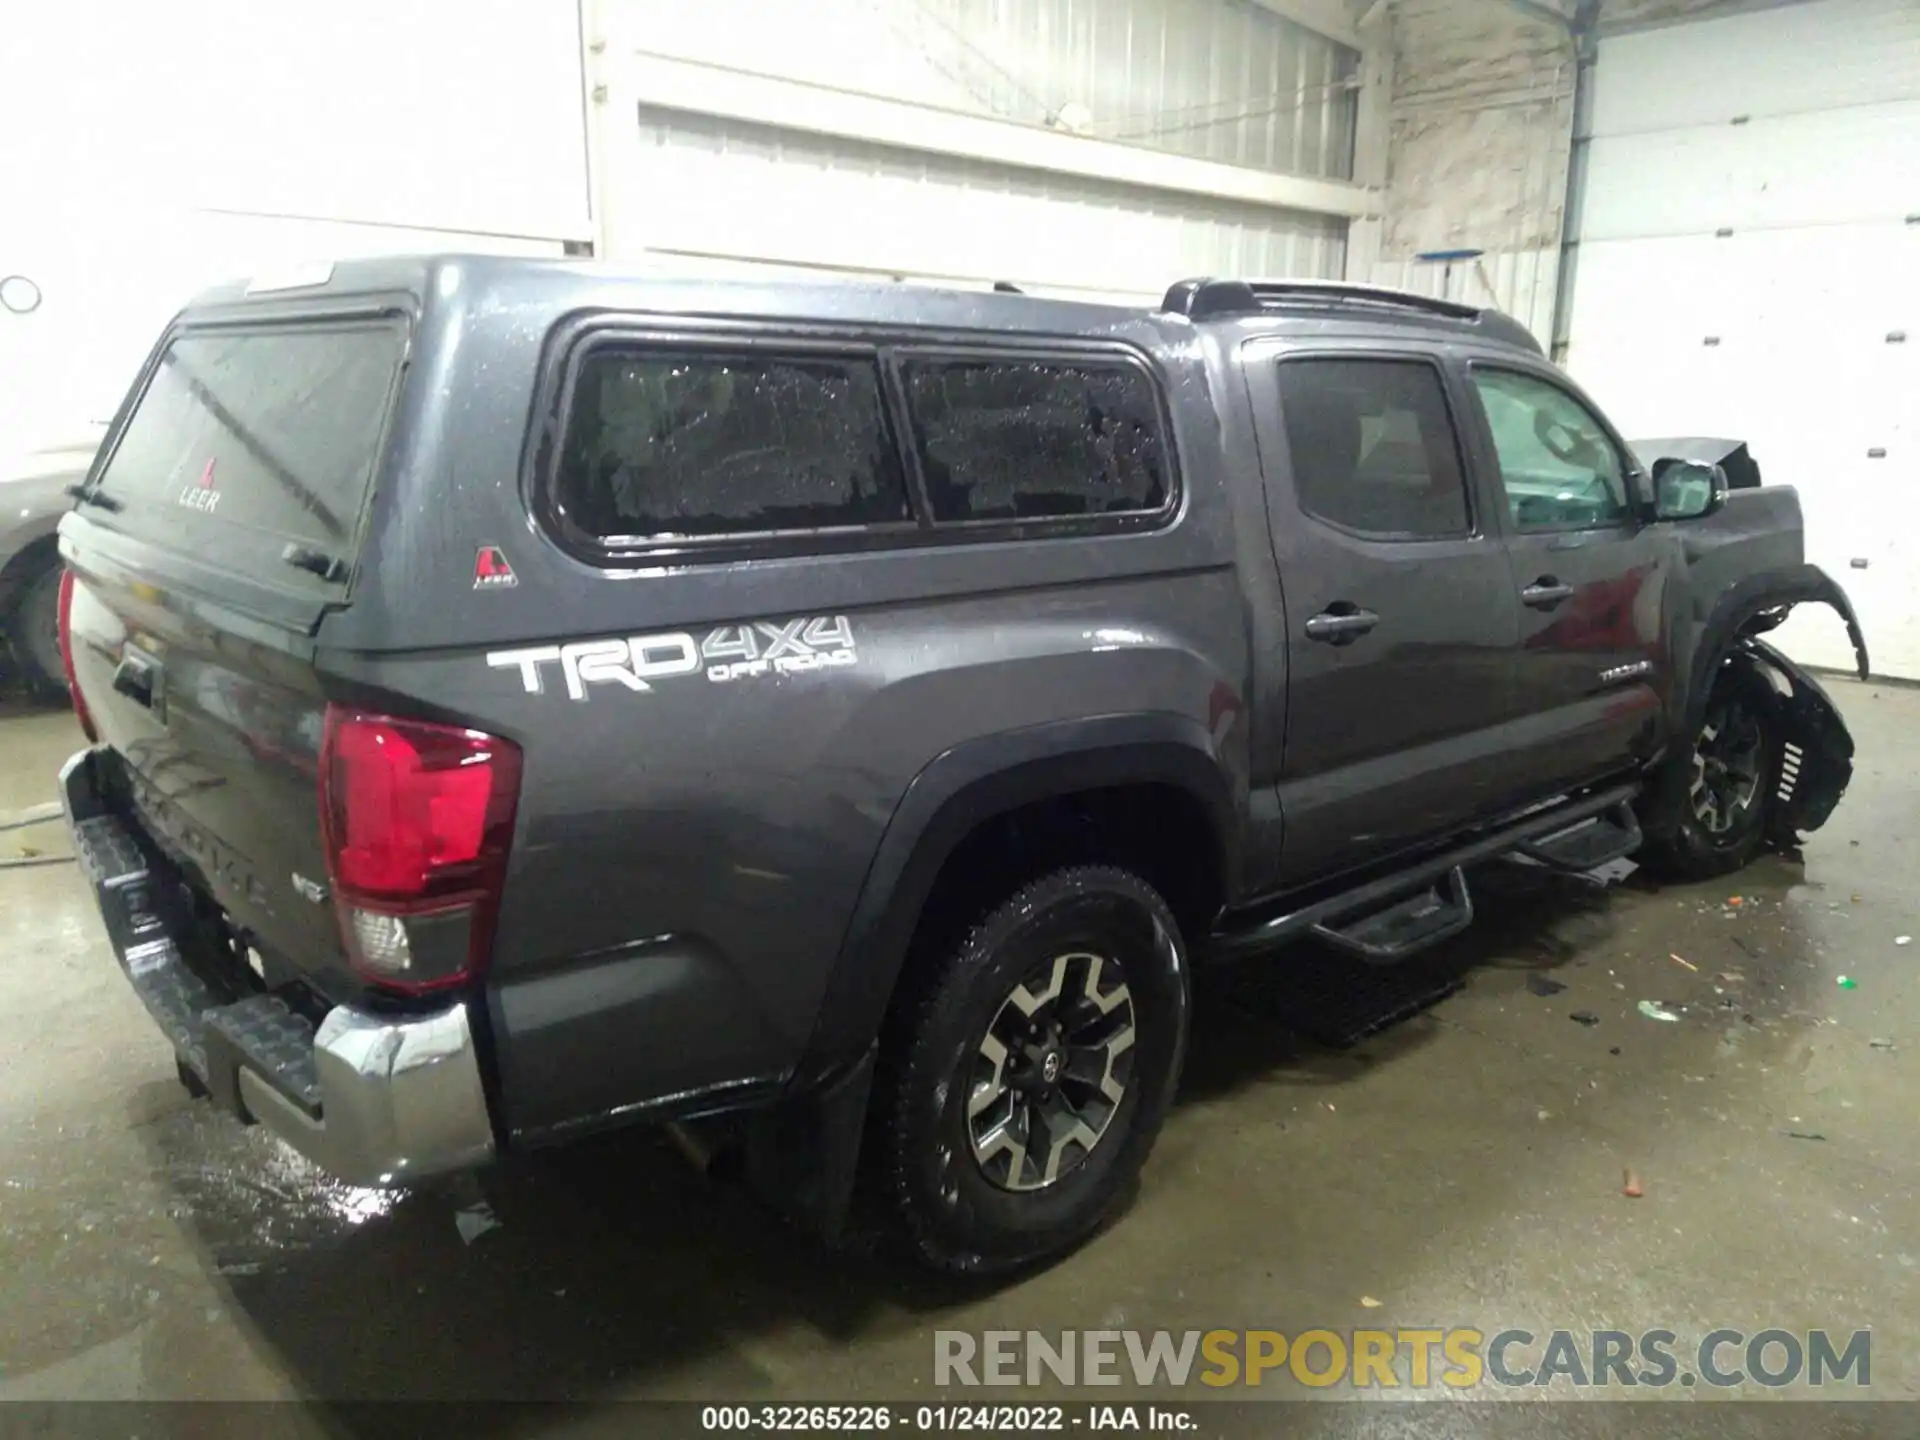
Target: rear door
x,y
1588,577
1401,624
224,522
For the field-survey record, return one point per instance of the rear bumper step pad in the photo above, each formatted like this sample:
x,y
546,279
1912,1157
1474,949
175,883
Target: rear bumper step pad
x,y
214,1032
375,1099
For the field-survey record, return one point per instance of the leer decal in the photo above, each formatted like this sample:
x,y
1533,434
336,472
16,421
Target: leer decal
x,y
201,495
491,570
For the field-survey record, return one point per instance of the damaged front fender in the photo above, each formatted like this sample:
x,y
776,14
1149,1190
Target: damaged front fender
x,y
1742,609
1811,584
1817,758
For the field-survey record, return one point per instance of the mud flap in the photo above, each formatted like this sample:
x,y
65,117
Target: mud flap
x,y
803,1154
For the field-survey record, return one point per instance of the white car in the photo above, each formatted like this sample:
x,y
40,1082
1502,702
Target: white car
x,y
33,497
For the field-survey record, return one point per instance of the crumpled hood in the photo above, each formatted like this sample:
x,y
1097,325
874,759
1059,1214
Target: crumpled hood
x,y
1731,456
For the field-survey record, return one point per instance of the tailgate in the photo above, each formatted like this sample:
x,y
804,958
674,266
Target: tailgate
x,y
224,520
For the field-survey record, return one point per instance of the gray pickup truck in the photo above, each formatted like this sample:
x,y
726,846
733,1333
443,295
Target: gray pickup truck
x,y
527,700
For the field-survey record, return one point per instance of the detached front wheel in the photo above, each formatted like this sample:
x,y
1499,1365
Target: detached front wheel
x,y
1032,1069
1730,781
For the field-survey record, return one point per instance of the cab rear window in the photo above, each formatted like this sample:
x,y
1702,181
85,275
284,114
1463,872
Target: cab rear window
x,y
248,441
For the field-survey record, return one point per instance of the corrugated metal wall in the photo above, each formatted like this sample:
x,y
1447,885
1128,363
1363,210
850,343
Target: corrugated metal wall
x,y
1520,282
936,218
1220,80
1225,81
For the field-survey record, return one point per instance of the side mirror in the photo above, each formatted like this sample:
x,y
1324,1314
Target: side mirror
x,y
1687,490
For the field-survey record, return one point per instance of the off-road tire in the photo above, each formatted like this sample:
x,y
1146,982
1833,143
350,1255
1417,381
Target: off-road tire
x,y
1693,849
954,1215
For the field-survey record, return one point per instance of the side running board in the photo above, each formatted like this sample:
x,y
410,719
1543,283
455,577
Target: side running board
x,y
1385,920
1382,937
1590,843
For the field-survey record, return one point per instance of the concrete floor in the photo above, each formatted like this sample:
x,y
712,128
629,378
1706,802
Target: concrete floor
x,y
1463,1167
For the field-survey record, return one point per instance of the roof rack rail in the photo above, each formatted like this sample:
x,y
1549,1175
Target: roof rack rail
x,y
1201,299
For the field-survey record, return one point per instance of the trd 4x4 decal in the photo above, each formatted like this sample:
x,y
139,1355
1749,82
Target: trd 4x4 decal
x,y
733,652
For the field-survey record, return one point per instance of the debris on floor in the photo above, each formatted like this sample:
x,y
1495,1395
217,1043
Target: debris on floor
x,y
473,1221
1682,960
1584,1017
1847,982
1613,1050
1613,872
1630,1186
1903,939
1654,1010
1735,901
1880,1044
30,855
1369,1302
1542,985
1805,1135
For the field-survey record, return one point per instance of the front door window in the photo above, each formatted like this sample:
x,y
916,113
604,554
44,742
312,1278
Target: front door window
x,y
1559,467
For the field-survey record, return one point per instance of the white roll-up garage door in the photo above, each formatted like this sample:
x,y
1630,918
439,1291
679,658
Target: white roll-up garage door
x,y
1749,266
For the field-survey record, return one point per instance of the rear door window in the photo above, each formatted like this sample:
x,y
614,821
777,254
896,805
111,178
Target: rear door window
x,y
1037,439
247,440
662,447
1373,447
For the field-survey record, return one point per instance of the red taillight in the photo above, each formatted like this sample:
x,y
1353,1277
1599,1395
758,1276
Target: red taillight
x,y
417,819
66,656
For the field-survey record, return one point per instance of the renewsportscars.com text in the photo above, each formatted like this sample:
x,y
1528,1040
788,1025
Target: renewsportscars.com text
x,y
1459,1358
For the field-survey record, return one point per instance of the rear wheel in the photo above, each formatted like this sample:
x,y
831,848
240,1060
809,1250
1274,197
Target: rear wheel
x,y
1729,780
1027,1077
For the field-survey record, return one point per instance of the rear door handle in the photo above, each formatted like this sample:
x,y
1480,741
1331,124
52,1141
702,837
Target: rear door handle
x,y
1341,627
1545,593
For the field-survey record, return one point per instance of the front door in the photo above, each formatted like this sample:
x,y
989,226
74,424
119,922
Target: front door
x,y
1400,620
1588,578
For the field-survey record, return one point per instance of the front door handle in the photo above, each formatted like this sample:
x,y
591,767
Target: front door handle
x,y
1545,593
1341,627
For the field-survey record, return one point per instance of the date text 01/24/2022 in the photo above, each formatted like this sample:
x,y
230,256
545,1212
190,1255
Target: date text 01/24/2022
x,y
985,1419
